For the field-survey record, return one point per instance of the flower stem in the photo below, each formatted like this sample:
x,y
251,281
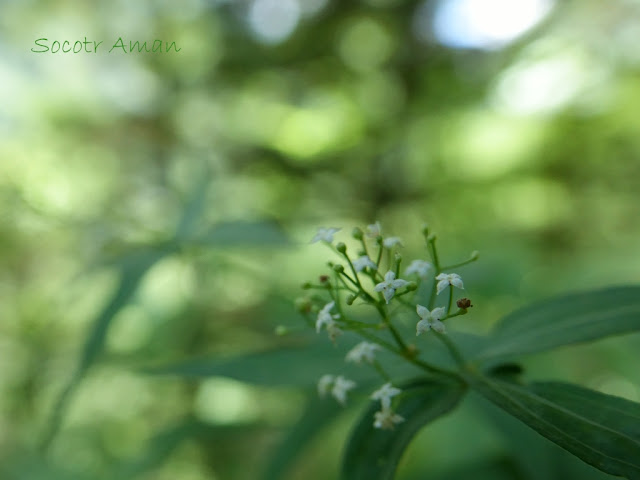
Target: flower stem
x,y
453,350
381,371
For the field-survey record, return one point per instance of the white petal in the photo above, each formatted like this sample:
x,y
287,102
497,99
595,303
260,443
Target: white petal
x,y
390,276
422,311
438,313
399,283
388,294
438,326
442,285
422,326
324,384
457,282
443,276
379,287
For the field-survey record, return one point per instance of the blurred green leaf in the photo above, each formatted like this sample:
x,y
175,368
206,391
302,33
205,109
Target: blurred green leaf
x,y
132,269
317,416
299,366
192,211
373,454
566,320
163,444
243,234
600,429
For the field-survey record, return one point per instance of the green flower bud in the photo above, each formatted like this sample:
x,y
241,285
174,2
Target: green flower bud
x,y
350,299
425,229
357,233
303,304
431,238
306,285
475,255
338,268
341,247
411,286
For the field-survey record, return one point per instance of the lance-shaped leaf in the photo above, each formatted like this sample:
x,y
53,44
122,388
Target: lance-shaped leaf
x,y
566,320
319,413
373,454
602,430
295,365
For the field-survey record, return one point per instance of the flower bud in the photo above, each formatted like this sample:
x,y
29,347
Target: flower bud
x,y
338,268
303,304
432,237
475,255
350,299
306,285
411,286
425,229
357,233
464,303
341,247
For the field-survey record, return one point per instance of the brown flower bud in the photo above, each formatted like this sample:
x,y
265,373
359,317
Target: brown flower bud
x,y
464,303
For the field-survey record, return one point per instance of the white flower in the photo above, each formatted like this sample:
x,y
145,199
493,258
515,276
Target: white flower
x,y
325,234
340,388
385,419
392,241
385,393
334,331
446,279
364,262
324,384
374,230
325,318
363,351
419,267
430,319
389,286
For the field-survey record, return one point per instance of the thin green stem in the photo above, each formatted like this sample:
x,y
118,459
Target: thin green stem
x,y
453,350
434,254
381,371
450,298
346,287
380,248
461,264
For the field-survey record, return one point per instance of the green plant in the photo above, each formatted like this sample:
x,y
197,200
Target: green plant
x,y
602,430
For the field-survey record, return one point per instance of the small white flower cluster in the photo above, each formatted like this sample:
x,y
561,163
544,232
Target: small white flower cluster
x,y
386,286
325,234
325,318
386,418
363,352
338,386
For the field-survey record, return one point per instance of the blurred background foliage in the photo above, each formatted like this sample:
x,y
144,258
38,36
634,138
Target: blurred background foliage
x,y
157,208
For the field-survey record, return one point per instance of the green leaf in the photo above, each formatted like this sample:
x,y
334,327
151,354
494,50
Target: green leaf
x,y
602,430
373,454
566,320
300,366
132,268
243,234
317,416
